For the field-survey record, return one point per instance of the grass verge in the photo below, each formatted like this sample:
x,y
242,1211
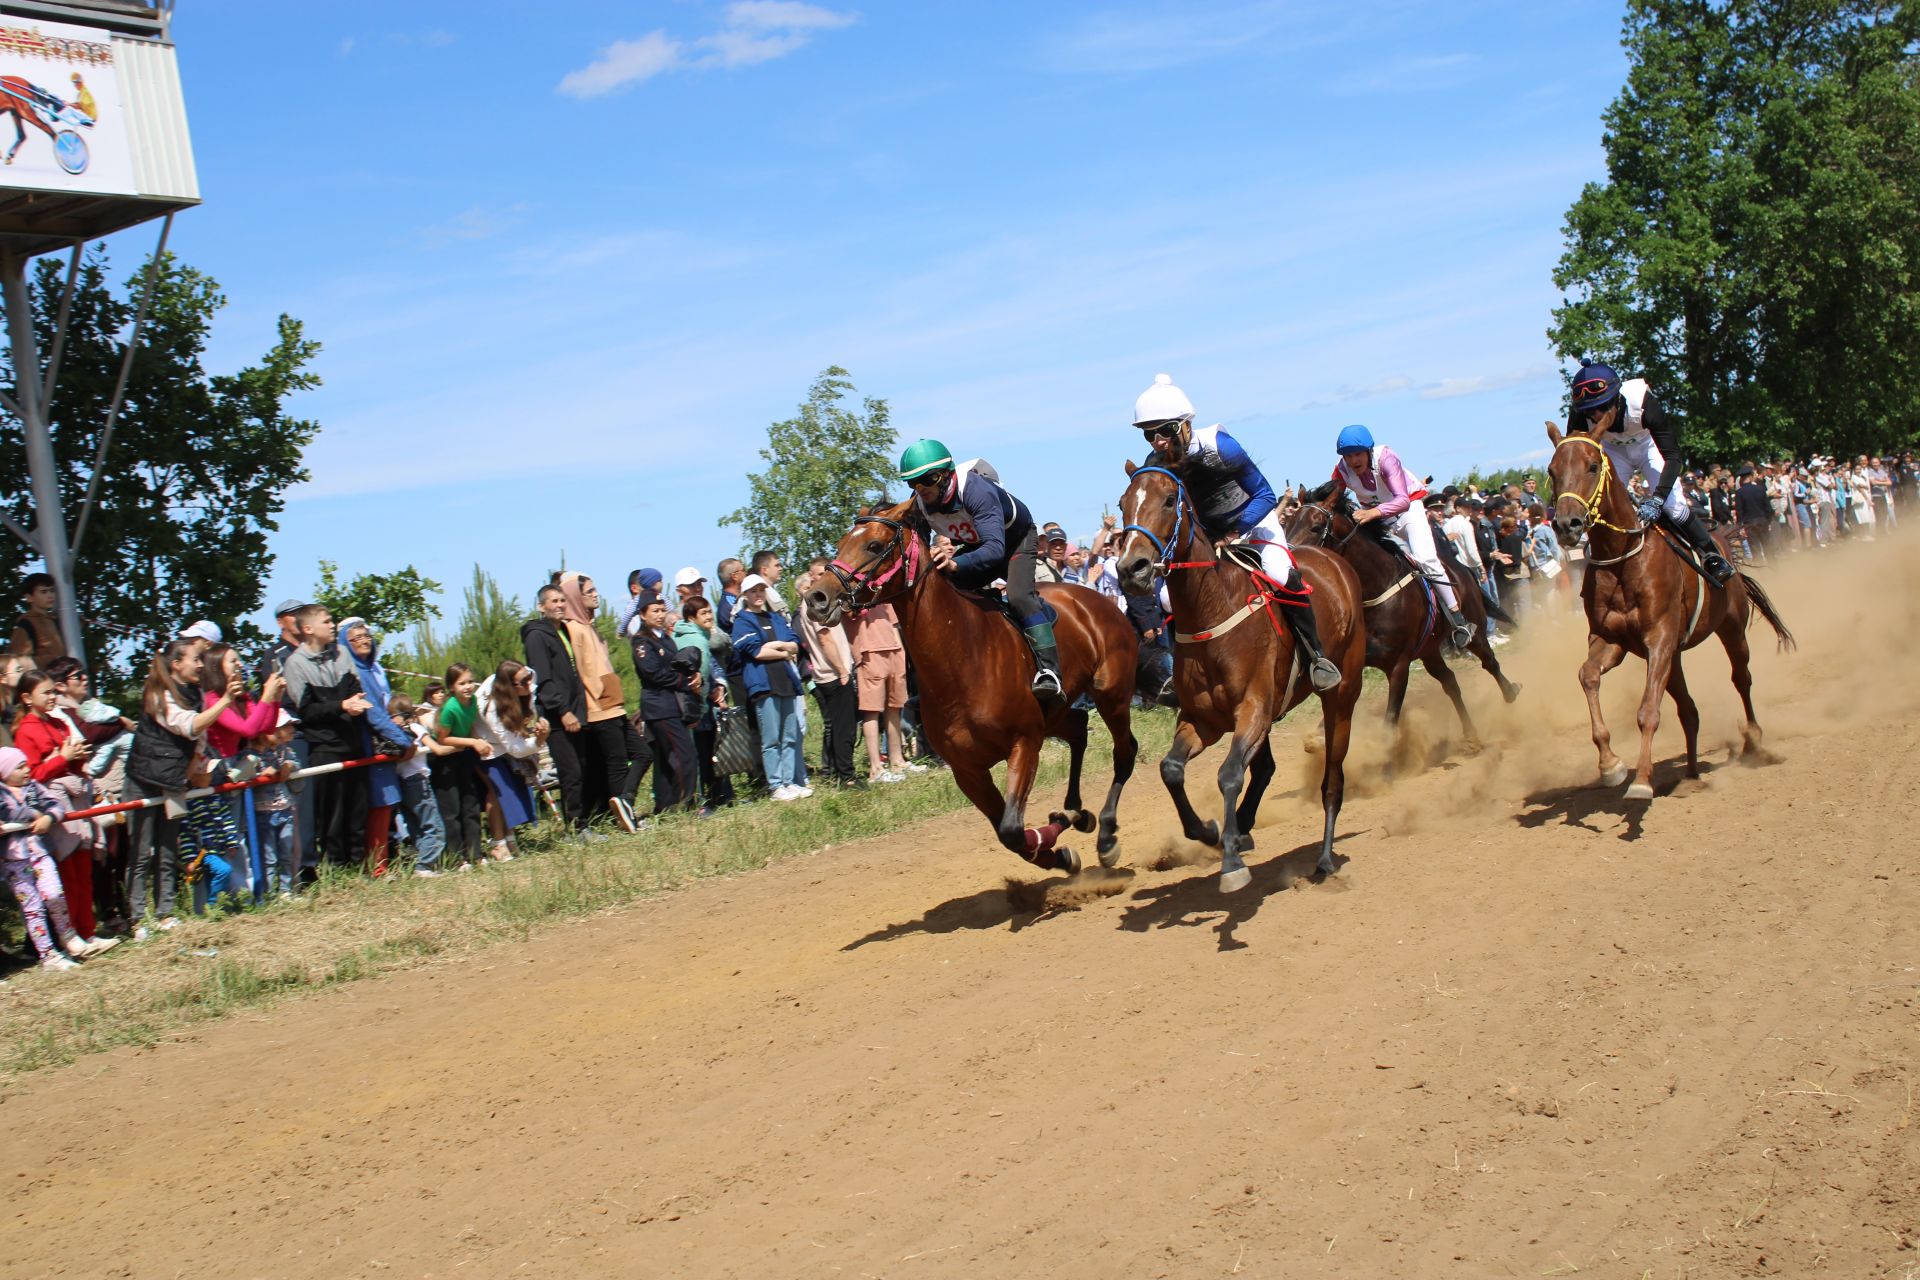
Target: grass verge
x,y
348,927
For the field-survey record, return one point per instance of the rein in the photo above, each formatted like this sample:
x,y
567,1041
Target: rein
x,y
1165,549
1593,501
852,579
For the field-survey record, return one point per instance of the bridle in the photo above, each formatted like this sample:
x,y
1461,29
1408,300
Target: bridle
x,y
852,579
1593,501
1324,527
1163,561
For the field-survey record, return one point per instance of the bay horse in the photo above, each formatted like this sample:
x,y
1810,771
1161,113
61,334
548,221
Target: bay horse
x,y
1643,598
1403,620
975,671
1233,679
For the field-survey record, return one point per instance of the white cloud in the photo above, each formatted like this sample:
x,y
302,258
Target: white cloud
x,y
1451,388
479,222
754,31
623,63
1347,394
346,46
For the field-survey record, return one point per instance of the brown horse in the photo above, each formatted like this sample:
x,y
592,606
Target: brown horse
x,y
1643,598
1238,679
975,673
1403,621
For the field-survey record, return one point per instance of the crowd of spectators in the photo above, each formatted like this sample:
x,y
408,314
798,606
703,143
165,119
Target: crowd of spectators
x,y
725,672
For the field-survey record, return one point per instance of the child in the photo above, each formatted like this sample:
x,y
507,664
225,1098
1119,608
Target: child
x,y
508,725
458,785
30,868
416,788
276,822
209,842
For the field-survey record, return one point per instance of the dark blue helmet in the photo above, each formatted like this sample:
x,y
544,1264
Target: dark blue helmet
x,y
1594,387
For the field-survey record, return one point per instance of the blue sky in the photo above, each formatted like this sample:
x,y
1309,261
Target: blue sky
x,y
568,264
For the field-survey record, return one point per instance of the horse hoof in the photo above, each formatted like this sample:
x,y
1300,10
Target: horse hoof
x,y
1235,881
1208,833
1512,692
1083,820
1066,860
1614,776
1640,791
1109,858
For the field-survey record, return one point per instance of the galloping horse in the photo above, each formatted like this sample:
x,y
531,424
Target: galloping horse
x,y
1642,598
975,670
1403,621
1234,679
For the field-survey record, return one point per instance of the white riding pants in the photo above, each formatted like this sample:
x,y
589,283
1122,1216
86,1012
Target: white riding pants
x,y
1414,532
1276,559
1640,456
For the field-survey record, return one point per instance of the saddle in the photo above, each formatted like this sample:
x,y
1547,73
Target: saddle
x,y
1244,554
994,600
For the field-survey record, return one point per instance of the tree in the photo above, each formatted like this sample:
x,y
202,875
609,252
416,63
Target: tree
x,y
1755,250
389,602
198,468
822,467
486,633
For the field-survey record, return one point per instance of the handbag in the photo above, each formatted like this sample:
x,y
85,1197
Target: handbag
x,y
734,744
1549,569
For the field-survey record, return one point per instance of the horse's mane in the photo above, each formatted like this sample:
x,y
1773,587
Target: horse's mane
x,y
1321,492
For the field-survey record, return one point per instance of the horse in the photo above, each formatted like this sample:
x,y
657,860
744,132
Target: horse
x,y
1647,602
975,671
1233,679
1403,620
27,104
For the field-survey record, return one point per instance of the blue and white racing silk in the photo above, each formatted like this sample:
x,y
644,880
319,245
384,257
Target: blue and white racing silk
x,y
1233,498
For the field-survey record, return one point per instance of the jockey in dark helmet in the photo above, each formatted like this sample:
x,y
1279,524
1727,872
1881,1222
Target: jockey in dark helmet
x,y
1385,492
983,533
1641,439
1233,501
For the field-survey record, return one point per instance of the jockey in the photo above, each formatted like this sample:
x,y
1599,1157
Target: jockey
x,y
1640,439
1380,485
967,508
1233,501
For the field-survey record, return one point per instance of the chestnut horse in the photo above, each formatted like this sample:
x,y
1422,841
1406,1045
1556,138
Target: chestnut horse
x,y
975,673
1643,598
1239,679
1403,620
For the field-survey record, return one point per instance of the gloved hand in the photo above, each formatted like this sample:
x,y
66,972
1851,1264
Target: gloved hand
x,y
1648,510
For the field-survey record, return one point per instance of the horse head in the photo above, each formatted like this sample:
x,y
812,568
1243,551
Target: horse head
x,y
875,562
1324,517
1580,472
1158,524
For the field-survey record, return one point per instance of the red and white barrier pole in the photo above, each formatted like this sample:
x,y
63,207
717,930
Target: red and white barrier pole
x,y
265,779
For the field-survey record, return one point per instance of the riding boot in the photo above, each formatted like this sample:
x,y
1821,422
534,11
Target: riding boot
x,y
1299,616
1046,655
1456,623
1694,530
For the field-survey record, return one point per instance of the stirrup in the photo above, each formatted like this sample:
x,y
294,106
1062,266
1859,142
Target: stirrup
x,y
1322,673
1718,569
1463,634
1046,683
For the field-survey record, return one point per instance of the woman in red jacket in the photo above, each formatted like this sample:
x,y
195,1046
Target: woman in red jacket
x,y
58,755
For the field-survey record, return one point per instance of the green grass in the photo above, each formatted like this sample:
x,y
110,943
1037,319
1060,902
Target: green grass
x,y
346,927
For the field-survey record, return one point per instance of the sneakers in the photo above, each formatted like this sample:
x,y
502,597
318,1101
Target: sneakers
x,y
58,963
786,793
425,873
915,768
804,791
623,814
85,948
889,776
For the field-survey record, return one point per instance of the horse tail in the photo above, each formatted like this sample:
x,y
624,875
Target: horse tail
x,y
1494,610
1764,603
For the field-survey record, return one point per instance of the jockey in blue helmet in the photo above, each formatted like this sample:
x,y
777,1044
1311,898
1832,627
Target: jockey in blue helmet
x,y
1631,424
1385,492
1233,501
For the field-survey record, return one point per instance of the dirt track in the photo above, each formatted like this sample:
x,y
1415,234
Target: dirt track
x,y
1528,1029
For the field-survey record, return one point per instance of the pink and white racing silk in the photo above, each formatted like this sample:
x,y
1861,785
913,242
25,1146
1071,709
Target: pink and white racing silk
x,y
1387,486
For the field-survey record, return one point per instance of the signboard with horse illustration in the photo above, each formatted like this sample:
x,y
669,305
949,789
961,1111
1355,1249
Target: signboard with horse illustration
x,y
63,126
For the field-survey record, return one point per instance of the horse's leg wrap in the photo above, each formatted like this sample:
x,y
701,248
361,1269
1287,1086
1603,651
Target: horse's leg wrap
x,y
1040,840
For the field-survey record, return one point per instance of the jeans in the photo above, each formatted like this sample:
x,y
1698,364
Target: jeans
x,y
218,879
423,815
302,752
277,831
779,720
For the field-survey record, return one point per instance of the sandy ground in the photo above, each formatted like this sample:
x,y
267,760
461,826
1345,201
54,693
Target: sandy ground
x,y
1528,1030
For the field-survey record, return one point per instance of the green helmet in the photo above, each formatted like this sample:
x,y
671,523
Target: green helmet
x,y
923,456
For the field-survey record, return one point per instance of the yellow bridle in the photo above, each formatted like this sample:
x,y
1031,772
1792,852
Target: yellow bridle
x,y
1592,501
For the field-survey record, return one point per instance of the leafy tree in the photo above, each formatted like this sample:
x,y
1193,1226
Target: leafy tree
x,y
1755,249
486,633
199,465
390,602
822,467
1494,481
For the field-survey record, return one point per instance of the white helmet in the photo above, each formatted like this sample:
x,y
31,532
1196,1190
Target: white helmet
x,y
1161,402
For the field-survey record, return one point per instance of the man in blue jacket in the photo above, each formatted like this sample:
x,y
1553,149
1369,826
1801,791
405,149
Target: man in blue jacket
x,y
983,533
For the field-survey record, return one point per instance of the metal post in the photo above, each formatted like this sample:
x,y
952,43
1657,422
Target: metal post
x,y
49,525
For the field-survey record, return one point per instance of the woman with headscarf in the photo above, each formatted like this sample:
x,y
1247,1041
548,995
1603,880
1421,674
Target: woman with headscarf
x,y
383,736
617,758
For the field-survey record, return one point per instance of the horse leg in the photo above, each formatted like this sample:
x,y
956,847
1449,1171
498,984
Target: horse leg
x,y
1117,713
1733,635
1249,736
1397,687
1337,718
1073,732
1437,668
1036,845
1260,774
1482,649
1689,714
1662,656
1602,657
1187,743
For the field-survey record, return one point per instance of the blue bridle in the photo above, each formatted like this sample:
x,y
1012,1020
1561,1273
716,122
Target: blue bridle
x,y
1179,515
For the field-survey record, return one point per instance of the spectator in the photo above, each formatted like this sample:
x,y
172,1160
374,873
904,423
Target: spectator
x,y
617,758
696,632
383,736
275,824
210,845
1511,553
172,730
1051,566
562,698
1076,568
36,634
1543,556
456,726
56,754
510,726
639,582
833,687
687,583
768,568
664,670
205,632
728,574
768,651
109,735
274,663
1753,513
880,674
1459,530
324,684
30,867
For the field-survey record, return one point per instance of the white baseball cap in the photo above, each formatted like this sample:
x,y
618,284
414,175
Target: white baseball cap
x,y
688,576
203,630
751,581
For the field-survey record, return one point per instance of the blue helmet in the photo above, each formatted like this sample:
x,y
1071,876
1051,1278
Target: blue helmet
x,y
1354,437
1594,387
